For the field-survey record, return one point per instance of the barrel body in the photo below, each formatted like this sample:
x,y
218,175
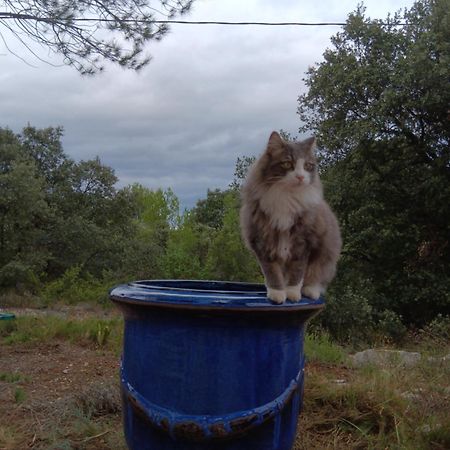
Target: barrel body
x,y
209,365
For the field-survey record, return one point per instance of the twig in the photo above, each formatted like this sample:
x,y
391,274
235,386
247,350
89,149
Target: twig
x,y
94,437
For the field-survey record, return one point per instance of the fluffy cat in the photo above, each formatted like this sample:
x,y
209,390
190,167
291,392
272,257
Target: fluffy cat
x,y
287,223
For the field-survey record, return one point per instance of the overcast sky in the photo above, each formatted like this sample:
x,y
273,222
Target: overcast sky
x,y
210,94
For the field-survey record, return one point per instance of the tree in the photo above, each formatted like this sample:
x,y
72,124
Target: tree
x,y
56,214
240,172
210,211
384,81
22,210
379,106
86,33
186,249
228,258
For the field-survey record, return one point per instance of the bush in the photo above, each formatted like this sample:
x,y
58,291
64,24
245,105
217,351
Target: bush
x,y
348,314
389,325
437,331
73,287
318,347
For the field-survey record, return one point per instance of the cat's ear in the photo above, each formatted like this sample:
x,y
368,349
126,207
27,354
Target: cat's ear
x,y
275,143
311,144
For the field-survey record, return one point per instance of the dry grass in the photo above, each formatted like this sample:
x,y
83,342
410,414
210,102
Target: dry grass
x,y
89,419
375,408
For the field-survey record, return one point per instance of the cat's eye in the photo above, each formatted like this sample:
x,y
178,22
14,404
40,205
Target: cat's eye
x,y
309,166
286,165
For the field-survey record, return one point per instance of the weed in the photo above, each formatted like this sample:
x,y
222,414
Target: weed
x,y
101,336
101,332
439,435
318,347
19,395
376,408
7,327
9,438
10,377
74,287
99,399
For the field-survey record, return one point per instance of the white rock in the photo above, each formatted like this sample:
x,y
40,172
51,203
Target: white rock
x,y
386,358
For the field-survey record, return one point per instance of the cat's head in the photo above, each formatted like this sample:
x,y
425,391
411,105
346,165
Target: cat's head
x,y
291,164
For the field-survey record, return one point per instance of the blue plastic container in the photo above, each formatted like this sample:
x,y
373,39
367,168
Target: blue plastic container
x,y
210,365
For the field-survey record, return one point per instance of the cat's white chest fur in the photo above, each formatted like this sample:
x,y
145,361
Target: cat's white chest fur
x,y
283,206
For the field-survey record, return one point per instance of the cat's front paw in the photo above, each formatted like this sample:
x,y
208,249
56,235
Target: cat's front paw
x,y
294,293
276,295
312,291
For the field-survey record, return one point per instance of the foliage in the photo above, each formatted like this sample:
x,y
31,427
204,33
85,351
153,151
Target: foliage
x,y
435,334
7,327
228,258
379,106
390,325
348,315
22,208
186,248
240,172
104,333
11,377
56,214
73,288
439,328
19,395
88,33
210,211
320,348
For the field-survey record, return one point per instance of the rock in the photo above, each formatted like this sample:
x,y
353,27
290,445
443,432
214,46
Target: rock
x,y
429,428
414,395
386,358
410,396
439,360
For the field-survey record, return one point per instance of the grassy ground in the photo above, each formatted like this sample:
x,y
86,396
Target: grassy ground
x,y
374,408
59,390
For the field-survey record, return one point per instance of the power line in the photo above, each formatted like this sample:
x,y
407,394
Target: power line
x,y
4,15
271,24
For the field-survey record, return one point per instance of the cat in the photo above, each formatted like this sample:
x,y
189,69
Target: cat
x,y
286,222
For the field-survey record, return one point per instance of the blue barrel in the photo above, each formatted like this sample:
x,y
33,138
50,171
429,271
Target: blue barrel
x,y
210,365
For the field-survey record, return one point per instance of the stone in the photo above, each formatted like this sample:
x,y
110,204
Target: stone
x,y
386,358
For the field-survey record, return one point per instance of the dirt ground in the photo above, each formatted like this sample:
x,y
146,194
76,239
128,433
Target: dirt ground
x,y
56,381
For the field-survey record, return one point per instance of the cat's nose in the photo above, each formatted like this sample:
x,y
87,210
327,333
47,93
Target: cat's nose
x,y
300,178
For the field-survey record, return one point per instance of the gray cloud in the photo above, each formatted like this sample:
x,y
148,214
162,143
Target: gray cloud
x,y
209,95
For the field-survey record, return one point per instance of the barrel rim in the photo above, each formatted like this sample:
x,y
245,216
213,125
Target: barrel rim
x,y
7,316
239,296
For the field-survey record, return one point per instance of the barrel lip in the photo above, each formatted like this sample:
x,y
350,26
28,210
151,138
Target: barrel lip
x,y
7,316
204,294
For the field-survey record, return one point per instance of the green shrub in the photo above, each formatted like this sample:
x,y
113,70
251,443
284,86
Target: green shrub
x,y
19,395
389,325
318,347
101,333
435,335
74,287
439,328
11,377
348,315
7,327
